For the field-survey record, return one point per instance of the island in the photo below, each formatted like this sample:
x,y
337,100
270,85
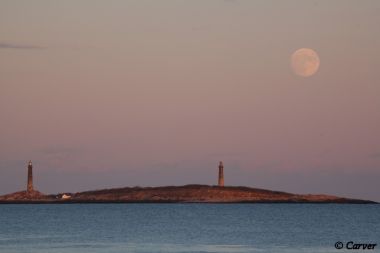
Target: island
x,y
175,194
193,193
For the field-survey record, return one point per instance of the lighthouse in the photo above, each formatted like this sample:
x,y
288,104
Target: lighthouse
x,y
221,175
30,177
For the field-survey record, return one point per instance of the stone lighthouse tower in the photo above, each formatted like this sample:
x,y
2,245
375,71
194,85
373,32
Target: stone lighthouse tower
x,y
221,175
30,177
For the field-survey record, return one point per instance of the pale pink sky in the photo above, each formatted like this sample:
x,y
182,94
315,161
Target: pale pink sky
x,y
123,93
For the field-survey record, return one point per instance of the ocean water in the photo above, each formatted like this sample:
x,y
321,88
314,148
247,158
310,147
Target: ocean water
x,y
114,228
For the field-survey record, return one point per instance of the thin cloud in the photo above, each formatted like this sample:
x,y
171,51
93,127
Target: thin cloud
x,y
5,45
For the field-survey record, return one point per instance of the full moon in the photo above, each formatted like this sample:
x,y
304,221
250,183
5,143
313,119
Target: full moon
x,y
305,62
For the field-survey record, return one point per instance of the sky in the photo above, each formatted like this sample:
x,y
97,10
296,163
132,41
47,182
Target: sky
x,y
102,94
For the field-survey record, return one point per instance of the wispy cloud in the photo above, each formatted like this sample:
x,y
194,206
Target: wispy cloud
x,y
7,45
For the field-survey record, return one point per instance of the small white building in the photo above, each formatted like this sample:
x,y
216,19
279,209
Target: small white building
x,y
64,196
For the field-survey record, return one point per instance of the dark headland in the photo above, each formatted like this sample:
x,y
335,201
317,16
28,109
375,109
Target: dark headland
x,y
176,194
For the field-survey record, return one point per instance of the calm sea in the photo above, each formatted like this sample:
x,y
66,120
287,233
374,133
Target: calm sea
x,y
184,228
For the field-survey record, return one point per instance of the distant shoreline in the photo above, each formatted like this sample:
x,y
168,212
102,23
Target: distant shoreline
x,y
173,202
201,194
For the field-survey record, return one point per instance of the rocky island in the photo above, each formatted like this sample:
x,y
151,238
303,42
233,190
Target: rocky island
x,y
176,194
171,194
